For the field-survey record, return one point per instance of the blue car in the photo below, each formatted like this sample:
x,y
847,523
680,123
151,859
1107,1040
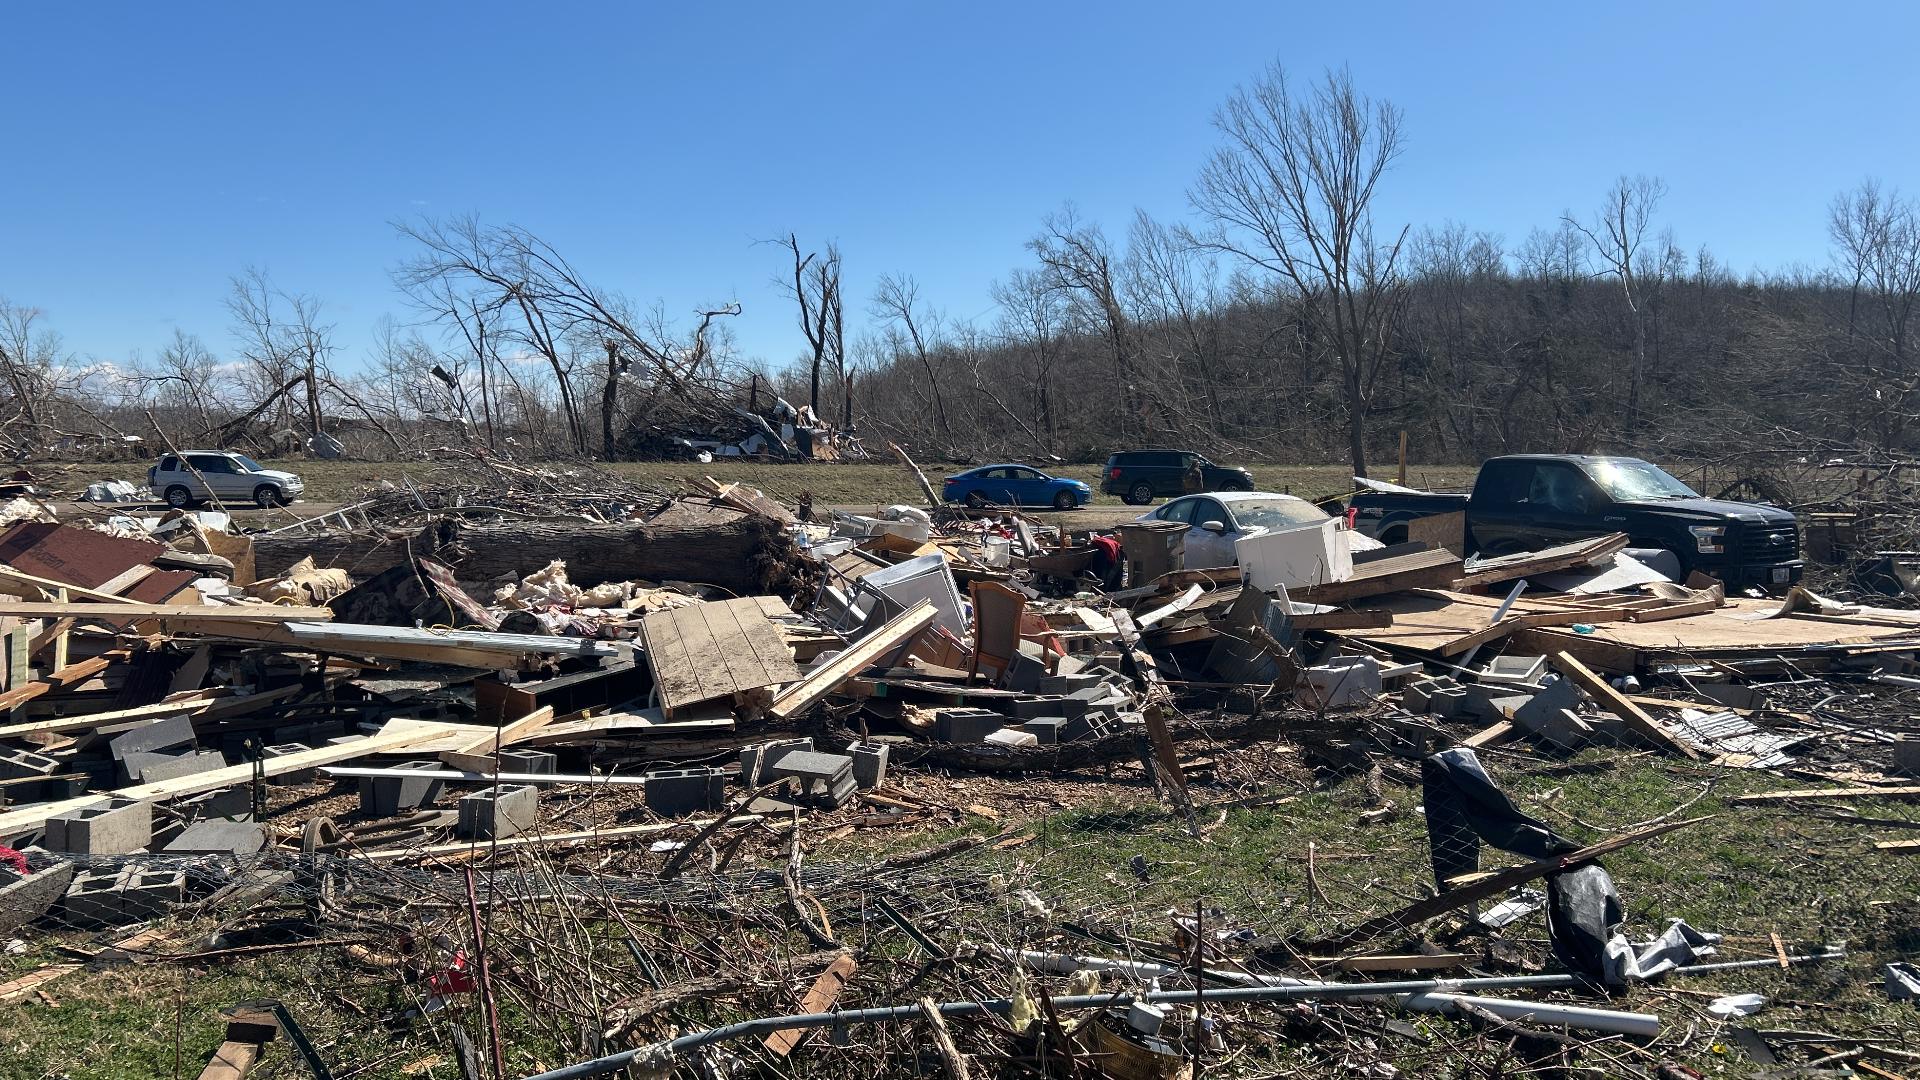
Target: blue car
x,y
1015,485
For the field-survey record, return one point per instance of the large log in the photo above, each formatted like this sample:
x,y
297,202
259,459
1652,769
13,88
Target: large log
x,y
740,553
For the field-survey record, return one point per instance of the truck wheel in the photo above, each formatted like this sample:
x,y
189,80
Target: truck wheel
x,y
1064,501
178,497
266,497
1140,494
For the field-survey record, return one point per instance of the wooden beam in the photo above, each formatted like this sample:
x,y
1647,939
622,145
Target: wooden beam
x,y
852,661
65,678
1618,704
49,586
1682,610
1493,733
1365,619
565,839
211,702
1491,885
480,750
819,997
233,1060
122,614
1904,791
25,818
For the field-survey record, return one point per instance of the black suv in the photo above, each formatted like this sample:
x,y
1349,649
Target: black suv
x,y
1138,476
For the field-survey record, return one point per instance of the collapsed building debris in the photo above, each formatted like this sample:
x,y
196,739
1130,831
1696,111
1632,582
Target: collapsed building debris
x,y
645,772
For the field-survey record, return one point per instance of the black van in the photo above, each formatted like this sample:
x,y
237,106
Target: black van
x,y
1140,476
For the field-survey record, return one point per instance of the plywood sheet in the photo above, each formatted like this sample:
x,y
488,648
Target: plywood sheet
x,y
715,650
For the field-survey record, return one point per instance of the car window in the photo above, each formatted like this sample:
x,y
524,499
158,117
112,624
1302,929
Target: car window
x,y
210,463
991,474
169,463
1560,488
249,464
1503,483
1205,510
1180,510
1024,474
1275,513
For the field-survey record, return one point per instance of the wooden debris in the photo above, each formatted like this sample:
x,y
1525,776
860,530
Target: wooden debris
x,y
1617,703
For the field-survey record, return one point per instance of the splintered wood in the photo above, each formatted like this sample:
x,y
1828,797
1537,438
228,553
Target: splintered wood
x,y
719,649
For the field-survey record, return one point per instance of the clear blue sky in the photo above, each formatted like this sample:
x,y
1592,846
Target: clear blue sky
x,y
150,151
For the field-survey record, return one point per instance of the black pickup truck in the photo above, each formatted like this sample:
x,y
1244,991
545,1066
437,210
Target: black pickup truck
x,y
1529,501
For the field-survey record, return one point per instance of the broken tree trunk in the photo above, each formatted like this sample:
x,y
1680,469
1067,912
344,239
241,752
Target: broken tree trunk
x,y
744,554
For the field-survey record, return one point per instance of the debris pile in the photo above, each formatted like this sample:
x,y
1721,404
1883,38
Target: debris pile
x,y
526,769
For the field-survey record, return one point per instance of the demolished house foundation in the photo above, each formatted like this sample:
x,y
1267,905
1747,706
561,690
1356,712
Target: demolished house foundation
x,y
576,777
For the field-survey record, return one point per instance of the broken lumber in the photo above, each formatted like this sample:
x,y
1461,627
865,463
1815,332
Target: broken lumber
x,y
1618,704
477,755
856,658
819,998
1904,791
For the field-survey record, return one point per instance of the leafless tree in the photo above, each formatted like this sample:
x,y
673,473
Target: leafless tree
x,y
281,336
913,331
1078,263
815,289
1876,238
29,352
1617,234
1292,193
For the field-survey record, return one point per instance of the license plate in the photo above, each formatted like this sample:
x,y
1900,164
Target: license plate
x,y
1781,575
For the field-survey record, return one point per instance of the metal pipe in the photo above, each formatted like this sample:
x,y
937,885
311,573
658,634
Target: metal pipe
x,y
1434,995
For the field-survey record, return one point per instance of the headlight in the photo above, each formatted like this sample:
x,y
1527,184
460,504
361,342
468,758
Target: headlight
x,y
1706,538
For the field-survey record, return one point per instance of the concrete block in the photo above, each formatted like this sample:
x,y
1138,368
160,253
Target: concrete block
x,y
118,827
386,796
17,764
94,897
497,813
1417,696
1067,684
145,767
1448,702
26,897
1355,682
530,762
1906,755
1046,730
966,725
1514,669
147,893
674,792
174,731
1069,707
287,749
216,837
234,803
869,765
1024,673
755,759
1011,737
1550,716
824,779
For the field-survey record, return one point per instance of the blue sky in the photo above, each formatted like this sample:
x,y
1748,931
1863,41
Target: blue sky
x,y
148,152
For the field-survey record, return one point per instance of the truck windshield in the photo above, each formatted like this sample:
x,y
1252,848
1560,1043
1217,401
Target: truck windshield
x,y
1275,513
1631,481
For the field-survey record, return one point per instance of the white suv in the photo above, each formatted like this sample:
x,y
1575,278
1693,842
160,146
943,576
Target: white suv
x,y
233,478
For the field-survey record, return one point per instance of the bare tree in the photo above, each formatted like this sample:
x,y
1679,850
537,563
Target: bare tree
x,y
815,289
28,354
1078,263
1876,237
281,336
1617,234
913,331
1292,192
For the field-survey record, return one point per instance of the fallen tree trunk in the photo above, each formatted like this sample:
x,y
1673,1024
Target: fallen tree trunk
x,y
743,554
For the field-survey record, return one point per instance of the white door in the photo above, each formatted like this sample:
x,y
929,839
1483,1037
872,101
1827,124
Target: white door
x,y
1207,549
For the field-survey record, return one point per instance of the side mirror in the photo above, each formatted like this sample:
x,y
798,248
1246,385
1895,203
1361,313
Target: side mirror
x,y
1214,526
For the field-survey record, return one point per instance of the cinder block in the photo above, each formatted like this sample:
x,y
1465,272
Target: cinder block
x,y
174,731
1024,673
1046,730
288,749
94,897
144,767
118,827
1417,696
17,764
755,759
965,725
1067,684
674,792
530,762
1448,702
217,837
385,796
1906,755
151,892
1051,705
825,779
869,765
233,803
1355,682
498,813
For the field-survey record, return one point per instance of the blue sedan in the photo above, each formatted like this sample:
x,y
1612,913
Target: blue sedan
x,y
1015,485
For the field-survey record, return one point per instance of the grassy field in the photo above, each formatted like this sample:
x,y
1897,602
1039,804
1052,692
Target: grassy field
x,y
850,484
1747,872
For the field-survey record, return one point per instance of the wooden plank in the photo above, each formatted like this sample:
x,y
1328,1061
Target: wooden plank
x,y
1491,632
65,678
1684,610
124,613
819,997
1617,703
17,821
1549,560
507,734
48,585
1436,569
1489,886
1492,733
1904,791
32,980
1898,847
1365,619
233,1060
565,839
852,661
714,650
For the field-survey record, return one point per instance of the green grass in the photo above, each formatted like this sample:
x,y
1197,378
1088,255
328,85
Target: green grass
x,y
1746,872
